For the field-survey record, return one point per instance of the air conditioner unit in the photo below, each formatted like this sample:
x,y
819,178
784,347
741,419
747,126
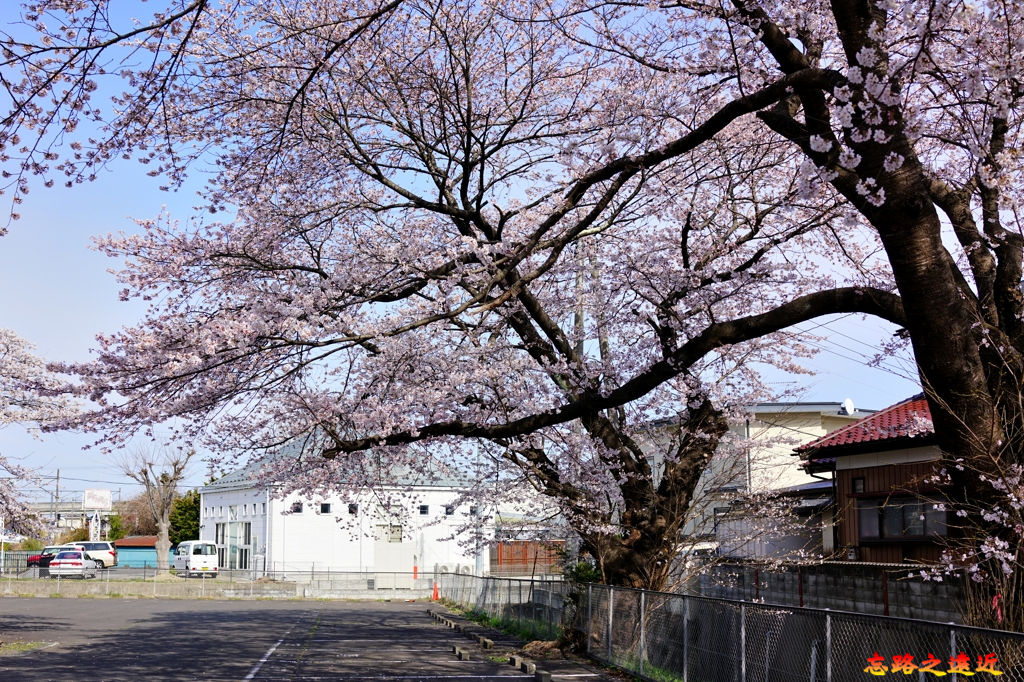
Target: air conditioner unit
x,y
466,570
444,568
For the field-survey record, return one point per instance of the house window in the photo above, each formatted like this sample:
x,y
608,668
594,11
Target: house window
x,y
264,508
296,508
449,509
353,508
858,485
424,509
900,518
325,507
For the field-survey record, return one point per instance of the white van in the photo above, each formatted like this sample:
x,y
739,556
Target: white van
x,y
196,557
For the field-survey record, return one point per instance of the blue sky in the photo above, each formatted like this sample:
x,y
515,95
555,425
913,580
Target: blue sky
x,y
59,296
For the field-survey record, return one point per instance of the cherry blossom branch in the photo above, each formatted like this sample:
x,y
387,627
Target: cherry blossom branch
x,y
882,304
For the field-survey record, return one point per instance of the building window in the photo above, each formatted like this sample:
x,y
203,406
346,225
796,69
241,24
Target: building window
x,y
296,508
389,533
900,518
264,508
353,508
449,509
424,509
325,508
858,485
473,510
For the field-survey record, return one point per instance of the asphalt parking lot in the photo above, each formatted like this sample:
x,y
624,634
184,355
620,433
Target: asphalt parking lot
x,y
152,639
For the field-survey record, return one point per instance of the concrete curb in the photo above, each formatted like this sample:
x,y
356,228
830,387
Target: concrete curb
x,y
521,663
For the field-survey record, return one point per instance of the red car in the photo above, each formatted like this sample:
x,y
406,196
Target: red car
x,y
42,560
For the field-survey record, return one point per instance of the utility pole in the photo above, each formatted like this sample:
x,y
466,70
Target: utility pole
x,y
57,495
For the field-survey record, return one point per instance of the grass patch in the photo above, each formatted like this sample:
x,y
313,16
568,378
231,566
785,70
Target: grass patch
x,y
16,648
523,629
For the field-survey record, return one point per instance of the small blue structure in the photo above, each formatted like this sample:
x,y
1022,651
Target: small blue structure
x,y
136,551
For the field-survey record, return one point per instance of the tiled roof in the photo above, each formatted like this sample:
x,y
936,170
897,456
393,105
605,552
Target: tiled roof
x,y
136,541
907,419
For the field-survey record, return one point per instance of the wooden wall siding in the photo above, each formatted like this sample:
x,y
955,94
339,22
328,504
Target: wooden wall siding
x,y
527,555
895,479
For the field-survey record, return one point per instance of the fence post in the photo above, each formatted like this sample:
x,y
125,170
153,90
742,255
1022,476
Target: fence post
x,y
743,642
590,612
686,639
522,607
800,583
885,592
828,647
952,650
643,630
611,619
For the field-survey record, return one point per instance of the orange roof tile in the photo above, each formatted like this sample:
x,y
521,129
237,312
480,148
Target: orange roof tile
x,y
907,419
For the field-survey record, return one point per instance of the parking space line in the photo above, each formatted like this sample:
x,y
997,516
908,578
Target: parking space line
x,y
266,656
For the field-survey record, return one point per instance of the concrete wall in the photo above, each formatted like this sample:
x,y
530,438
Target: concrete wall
x,y
881,589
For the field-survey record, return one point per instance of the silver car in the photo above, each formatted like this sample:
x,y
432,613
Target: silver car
x,y
72,562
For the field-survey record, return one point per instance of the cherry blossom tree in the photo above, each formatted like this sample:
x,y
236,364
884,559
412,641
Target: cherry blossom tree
x,y
30,396
536,226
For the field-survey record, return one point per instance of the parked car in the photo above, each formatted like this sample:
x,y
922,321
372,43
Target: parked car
x,y
103,553
195,557
72,562
42,560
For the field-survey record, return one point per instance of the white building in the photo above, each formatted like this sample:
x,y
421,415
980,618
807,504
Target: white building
x,y
256,530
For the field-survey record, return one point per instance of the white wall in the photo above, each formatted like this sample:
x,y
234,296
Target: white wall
x,y
340,541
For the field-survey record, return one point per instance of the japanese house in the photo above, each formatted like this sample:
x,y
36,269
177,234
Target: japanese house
x,y
887,501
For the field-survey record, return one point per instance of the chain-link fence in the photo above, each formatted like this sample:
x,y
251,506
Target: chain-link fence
x,y
532,606
667,637
673,637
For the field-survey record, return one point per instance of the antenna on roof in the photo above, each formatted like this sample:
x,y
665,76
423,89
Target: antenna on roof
x,y
848,406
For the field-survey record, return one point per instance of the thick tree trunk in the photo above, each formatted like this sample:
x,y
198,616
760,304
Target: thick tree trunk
x,y
163,544
942,321
642,555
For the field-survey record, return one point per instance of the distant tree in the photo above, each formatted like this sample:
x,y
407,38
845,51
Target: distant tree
x,y
31,544
185,517
159,473
132,518
75,535
116,529
29,396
